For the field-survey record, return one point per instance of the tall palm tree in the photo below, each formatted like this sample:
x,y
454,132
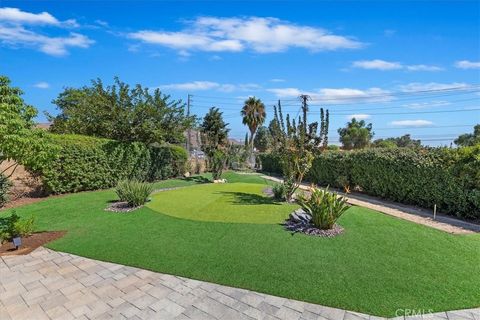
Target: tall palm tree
x,y
253,113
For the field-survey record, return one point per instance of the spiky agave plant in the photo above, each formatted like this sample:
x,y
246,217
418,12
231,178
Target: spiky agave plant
x,y
325,207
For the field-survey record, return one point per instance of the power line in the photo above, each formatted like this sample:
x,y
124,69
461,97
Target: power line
x,y
367,96
426,127
413,112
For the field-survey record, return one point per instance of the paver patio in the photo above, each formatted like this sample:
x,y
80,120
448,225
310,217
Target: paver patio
x,y
46,284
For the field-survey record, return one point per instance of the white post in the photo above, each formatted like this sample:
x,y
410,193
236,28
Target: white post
x,y
434,211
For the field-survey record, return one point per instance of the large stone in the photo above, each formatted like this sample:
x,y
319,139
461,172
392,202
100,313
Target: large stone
x,y
300,216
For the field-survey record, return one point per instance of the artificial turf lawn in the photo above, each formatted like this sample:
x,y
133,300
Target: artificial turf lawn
x,y
231,202
380,263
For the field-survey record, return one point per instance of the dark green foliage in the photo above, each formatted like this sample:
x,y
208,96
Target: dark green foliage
x,y
469,139
279,191
87,163
449,178
323,206
356,134
404,141
13,226
122,113
262,141
134,192
215,141
5,185
270,163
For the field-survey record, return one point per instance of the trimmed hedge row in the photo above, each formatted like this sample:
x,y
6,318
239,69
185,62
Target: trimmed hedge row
x,y
449,178
88,163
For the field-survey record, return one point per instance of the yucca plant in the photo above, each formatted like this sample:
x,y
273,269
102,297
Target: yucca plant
x,y
134,192
325,207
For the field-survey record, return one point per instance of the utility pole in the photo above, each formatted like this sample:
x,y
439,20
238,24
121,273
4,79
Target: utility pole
x,y
189,145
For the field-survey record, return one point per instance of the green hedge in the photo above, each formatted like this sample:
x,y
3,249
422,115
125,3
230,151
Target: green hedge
x,y
449,178
88,163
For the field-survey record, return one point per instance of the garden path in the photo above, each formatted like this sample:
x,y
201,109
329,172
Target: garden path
x,y
46,284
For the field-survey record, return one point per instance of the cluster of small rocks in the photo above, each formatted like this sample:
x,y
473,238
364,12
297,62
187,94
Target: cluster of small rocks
x,y
300,221
120,206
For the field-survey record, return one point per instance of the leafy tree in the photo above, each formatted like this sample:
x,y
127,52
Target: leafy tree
x,y
299,143
262,140
253,113
404,141
275,133
384,143
356,134
121,113
19,140
469,139
215,141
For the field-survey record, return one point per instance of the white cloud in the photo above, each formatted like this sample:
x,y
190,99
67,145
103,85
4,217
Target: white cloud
x,y
411,123
336,95
261,35
377,64
347,95
16,16
360,116
21,17
419,86
210,85
55,46
465,64
285,92
42,85
277,80
423,67
14,32
383,65
424,105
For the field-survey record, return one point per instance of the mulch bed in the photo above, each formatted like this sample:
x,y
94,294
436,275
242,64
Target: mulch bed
x,y
30,243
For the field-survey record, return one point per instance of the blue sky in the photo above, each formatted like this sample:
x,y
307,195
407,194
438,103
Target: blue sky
x,y
407,67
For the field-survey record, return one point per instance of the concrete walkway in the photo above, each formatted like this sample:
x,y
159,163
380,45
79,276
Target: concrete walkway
x,y
46,284
405,212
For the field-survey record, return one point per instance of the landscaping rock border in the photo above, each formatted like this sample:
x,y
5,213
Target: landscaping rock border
x,y
300,221
121,207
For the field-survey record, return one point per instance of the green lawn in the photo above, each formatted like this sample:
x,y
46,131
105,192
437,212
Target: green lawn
x,y
378,265
231,202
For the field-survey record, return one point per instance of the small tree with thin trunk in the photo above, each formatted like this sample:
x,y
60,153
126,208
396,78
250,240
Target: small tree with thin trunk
x,y
298,144
214,134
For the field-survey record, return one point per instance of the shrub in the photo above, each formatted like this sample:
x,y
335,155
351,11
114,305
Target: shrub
x,y
134,192
88,163
5,185
279,191
270,163
325,207
13,226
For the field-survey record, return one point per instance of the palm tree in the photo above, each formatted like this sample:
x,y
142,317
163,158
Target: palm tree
x,y
253,113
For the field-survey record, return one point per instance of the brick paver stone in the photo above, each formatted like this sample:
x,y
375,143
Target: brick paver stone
x,y
46,284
